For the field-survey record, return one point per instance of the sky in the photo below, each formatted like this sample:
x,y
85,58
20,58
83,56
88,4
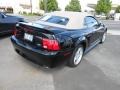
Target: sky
x,y
63,3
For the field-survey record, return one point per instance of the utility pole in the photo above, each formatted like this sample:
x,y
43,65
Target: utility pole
x,y
45,5
31,5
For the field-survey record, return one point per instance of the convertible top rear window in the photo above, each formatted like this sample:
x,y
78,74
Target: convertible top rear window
x,y
55,19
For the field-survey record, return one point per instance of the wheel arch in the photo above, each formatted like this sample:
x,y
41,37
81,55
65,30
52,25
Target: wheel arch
x,y
82,41
106,29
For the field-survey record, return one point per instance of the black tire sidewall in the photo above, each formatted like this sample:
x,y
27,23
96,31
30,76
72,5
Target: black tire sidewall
x,y
101,41
71,60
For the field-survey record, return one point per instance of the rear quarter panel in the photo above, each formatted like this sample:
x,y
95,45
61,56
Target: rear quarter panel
x,y
69,39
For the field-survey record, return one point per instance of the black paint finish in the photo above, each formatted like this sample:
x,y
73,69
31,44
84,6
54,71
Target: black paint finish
x,y
8,22
68,40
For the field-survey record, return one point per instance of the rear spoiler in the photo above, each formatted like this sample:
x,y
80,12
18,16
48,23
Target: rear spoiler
x,y
38,27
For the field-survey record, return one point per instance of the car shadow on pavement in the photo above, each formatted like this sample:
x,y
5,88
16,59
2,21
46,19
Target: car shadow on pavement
x,y
45,69
42,67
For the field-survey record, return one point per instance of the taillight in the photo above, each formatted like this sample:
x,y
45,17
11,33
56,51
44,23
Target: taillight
x,y
14,31
50,44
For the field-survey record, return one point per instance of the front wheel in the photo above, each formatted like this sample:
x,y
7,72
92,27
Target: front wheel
x,y
103,38
76,57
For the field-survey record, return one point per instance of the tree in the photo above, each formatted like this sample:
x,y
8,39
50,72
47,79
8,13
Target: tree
x,y
41,5
74,5
103,6
117,9
51,5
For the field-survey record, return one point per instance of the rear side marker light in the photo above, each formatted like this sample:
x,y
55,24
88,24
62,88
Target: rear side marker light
x,y
15,32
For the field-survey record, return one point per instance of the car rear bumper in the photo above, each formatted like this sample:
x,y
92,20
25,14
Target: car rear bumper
x,y
44,59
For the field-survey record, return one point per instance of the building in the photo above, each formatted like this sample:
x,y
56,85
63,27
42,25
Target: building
x,y
17,6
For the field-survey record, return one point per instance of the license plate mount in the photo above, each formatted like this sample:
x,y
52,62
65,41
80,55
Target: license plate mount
x,y
28,37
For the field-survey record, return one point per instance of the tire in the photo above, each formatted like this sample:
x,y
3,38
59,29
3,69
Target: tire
x,y
76,57
103,38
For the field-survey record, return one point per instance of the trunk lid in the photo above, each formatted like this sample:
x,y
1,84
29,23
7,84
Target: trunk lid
x,y
31,34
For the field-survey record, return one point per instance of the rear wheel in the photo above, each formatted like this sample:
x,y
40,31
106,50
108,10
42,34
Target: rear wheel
x,y
76,57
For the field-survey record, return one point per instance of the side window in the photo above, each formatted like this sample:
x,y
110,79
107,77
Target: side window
x,y
90,21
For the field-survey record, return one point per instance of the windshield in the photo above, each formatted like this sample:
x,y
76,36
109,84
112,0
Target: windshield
x,y
55,19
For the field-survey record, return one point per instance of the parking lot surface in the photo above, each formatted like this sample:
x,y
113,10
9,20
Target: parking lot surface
x,y
112,24
99,69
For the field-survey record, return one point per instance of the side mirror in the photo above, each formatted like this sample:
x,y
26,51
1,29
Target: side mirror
x,y
4,16
101,24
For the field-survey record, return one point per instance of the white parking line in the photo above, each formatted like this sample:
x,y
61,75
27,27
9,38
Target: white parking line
x,y
114,32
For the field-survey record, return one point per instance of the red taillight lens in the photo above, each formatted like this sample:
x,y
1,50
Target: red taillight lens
x,y
50,44
15,32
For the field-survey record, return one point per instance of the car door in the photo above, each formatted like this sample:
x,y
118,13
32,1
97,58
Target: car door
x,y
93,27
98,28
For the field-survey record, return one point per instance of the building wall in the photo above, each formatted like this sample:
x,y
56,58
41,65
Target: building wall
x,y
16,5
35,6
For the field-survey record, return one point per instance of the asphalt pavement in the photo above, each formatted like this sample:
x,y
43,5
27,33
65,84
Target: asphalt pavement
x,y
99,69
111,24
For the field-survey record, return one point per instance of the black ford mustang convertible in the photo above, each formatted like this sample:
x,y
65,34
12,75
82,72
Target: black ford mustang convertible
x,y
8,22
58,36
